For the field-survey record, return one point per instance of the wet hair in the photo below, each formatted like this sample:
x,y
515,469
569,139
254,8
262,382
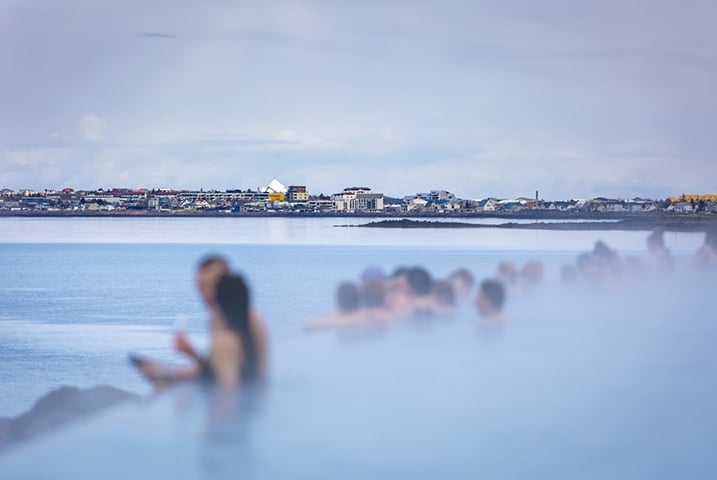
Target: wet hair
x,y
420,281
233,300
373,294
444,293
212,260
347,297
464,275
399,272
494,291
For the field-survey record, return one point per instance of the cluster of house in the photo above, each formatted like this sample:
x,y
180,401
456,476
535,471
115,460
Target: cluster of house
x,y
277,198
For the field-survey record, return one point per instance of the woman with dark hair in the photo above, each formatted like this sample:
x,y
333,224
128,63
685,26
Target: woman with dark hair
x,y
238,357
238,351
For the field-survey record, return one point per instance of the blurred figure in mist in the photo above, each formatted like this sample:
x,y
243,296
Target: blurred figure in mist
x,y
507,274
398,294
707,253
462,281
372,273
568,275
347,309
606,257
489,302
420,286
356,307
225,330
373,302
658,253
599,267
532,274
444,296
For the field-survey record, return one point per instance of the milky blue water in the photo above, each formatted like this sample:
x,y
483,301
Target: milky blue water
x,y
613,383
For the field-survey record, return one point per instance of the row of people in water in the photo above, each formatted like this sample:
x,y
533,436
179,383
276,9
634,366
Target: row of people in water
x,y
238,347
603,265
408,293
411,293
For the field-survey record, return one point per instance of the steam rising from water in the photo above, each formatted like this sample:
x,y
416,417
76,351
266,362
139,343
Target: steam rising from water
x,y
616,382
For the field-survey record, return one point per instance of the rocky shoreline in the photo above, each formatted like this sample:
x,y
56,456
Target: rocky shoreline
x,y
670,223
57,408
536,215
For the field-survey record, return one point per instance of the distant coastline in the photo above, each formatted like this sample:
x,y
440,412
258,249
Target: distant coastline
x,y
673,223
647,218
541,219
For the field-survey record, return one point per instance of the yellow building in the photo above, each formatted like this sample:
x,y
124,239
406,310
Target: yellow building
x,y
692,197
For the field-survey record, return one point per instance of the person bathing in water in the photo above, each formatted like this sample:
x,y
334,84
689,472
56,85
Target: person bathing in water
x,y
489,303
238,341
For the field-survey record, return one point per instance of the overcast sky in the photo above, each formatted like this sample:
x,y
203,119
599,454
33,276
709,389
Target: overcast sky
x,y
575,98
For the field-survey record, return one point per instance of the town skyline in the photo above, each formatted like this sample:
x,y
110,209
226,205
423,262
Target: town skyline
x,y
578,99
337,190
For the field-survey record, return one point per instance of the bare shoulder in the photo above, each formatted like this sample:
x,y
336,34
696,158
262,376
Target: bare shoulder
x,y
257,324
258,328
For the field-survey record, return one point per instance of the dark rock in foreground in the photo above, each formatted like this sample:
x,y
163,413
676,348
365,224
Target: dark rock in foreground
x,y
58,408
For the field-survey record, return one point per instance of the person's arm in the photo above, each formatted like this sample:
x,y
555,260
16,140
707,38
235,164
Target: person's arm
x,y
181,344
160,374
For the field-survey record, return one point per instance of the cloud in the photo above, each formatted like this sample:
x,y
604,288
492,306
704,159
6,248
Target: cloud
x,y
92,128
153,35
568,97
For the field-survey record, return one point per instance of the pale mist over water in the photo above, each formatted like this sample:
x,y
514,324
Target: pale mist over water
x,y
318,231
615,381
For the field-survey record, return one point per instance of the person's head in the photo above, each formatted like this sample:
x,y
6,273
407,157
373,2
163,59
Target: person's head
x,y
373,294
444,294
209,271
372,273
532,273
656,242
606,259
232,296
490,298
419,281
462,281
602,251
347,297
506,273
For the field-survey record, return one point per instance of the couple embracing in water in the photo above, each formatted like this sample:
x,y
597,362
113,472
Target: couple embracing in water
x,y
238,351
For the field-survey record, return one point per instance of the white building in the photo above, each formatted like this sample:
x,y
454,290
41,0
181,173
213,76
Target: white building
x,y
275,186
357,199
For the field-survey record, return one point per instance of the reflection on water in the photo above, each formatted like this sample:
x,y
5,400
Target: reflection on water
x,y
314,231
612,383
